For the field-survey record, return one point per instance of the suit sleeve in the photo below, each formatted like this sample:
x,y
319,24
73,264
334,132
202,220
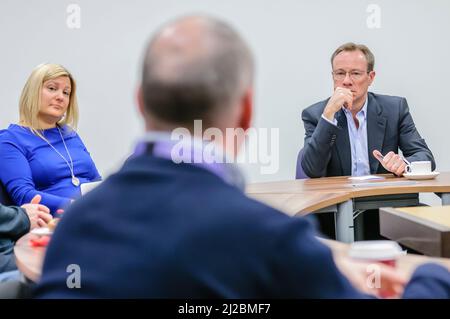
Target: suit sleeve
x,y
320,136
429,281
14,222
16,176
305,267
411,143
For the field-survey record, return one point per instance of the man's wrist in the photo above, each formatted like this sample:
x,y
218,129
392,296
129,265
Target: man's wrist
x,y
331,121
328,115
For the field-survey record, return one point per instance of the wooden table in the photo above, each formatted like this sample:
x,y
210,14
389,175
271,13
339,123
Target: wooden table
x,y
29,259
424,229
343,196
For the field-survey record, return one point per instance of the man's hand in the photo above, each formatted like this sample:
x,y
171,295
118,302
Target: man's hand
x,y
38,214
392,162
341,97
376,279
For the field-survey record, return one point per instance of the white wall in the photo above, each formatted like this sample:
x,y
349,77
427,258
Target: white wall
x,y
292,42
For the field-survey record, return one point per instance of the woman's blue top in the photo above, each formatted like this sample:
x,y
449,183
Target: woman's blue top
x,y
30,166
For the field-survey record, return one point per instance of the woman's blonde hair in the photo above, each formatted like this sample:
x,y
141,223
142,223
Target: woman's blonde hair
x,y
30,99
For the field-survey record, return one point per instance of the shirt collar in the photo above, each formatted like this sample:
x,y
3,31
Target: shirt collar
x,y
192,152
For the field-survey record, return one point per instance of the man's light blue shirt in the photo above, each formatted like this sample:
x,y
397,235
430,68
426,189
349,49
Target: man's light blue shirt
x,y
358,140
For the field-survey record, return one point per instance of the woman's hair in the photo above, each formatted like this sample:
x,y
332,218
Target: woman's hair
x,y
30,99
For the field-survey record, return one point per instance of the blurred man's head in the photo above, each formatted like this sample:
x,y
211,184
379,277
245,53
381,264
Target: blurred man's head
x,y
196,68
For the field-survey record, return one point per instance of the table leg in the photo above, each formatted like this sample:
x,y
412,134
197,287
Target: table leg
x,y
445,197
344,222
358,224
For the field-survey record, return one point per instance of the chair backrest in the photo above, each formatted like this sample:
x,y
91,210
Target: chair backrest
x,y
4,197
299,173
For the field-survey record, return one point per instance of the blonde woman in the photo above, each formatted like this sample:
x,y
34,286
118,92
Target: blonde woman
x,y
42,154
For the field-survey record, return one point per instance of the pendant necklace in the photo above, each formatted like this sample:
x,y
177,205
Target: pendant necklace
x,y
75,180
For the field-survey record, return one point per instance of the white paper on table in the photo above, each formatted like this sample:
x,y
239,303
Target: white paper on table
x,y
366,178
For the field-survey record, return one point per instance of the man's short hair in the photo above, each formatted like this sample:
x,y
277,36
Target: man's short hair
x,y
199,85
350,46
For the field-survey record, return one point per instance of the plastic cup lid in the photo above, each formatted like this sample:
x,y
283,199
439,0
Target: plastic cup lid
x,y
376,249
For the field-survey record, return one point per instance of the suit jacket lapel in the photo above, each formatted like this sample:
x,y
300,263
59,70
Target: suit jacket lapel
x,y
343,144
376,128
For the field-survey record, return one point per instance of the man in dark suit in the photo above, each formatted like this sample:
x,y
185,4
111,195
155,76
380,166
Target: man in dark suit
x,y
356,132
159,229
16,222
348,133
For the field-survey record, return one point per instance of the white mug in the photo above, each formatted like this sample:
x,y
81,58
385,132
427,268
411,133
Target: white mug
x,y
420,167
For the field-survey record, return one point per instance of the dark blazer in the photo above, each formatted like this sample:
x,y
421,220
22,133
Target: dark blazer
x,y
390,127
157,229
14,223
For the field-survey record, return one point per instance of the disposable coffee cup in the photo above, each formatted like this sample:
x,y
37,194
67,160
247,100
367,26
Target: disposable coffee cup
x,y
419,167
377,251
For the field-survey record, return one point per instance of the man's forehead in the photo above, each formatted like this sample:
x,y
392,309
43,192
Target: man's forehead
x,y
350,56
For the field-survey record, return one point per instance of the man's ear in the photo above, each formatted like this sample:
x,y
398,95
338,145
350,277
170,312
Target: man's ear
x,y
247,109
371,77
140,101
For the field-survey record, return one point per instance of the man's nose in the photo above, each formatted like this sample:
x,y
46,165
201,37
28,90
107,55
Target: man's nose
x,y
347,80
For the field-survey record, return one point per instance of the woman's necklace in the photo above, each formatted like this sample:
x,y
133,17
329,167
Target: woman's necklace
x,y
75,180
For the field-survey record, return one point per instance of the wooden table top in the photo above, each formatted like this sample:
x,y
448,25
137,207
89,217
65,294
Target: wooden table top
x,y
301,203
343,184
29,259
438,214
424,229
308,195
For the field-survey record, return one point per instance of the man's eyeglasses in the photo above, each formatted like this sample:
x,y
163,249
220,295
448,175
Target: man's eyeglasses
x,y
354,75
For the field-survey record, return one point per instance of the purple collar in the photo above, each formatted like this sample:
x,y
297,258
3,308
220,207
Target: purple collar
x,y
191,151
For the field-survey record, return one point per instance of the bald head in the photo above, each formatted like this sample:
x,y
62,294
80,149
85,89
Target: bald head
x,y
195,68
